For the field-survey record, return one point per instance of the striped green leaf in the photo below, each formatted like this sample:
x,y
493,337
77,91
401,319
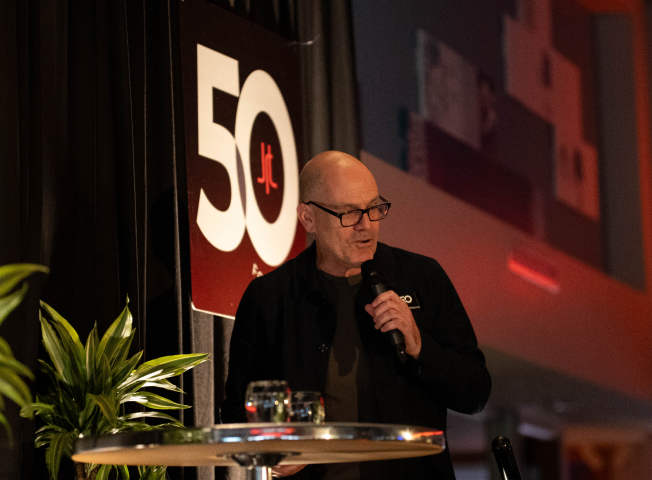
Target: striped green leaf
x,y
122,350
105,378
91,349
108,407
37,408
152,400
125,369
103,472
124,471
133,416
10,302
7,361
152,472
47,369
11,275
134,426
165,384
60,445
13,387
119,329
5,349
55,350
164,367
54,315
5,423
77,358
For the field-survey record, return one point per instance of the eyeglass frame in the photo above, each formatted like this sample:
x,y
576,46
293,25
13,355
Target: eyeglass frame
x,y
363,210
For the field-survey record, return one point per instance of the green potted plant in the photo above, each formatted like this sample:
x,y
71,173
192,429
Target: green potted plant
x,y
91,385
12,372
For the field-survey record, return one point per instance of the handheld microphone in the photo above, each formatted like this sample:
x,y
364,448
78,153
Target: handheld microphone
x,y
376,282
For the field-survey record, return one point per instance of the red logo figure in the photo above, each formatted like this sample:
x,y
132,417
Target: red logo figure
x,y
266,161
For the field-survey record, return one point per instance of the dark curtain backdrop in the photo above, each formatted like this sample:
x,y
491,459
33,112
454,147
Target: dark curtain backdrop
x,y
92,174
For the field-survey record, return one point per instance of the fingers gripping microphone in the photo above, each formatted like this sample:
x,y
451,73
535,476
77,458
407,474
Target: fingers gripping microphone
x,y
376,282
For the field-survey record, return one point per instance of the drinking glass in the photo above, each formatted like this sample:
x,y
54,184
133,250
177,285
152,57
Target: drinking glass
x,y
307,406
267,401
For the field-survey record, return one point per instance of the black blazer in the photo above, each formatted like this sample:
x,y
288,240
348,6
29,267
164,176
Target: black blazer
x,y
284,328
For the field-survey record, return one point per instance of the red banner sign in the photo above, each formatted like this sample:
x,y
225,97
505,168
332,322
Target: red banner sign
x,y
241,96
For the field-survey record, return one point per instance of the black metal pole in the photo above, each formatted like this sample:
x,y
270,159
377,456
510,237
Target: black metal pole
x,y
504,453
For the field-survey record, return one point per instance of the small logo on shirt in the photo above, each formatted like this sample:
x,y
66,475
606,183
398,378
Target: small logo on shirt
x,y
411,301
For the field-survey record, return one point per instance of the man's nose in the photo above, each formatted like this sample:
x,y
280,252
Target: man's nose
x,y
364,222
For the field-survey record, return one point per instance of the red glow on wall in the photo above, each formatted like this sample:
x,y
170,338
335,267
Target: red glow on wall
x,y
534,271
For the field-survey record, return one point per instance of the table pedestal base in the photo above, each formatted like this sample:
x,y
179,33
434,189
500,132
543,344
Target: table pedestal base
x,y
258,473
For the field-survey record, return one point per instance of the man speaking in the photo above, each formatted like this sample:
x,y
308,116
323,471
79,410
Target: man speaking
x,y
315,323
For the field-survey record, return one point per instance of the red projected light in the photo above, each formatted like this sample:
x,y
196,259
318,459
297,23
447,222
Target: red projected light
x,y
534,271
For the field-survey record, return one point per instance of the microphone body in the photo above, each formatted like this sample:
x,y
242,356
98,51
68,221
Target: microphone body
x,y
377,284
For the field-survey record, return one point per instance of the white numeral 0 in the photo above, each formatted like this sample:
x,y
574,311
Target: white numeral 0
x,y
224,230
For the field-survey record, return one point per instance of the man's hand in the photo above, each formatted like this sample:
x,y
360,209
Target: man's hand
x,y
285,470
390,312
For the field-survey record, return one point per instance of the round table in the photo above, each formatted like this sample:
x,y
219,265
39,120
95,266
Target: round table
x,y
259,446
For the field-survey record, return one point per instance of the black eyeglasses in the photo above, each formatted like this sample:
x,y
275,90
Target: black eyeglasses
x,y
353,217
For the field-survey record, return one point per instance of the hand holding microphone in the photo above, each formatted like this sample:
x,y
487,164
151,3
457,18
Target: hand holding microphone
x,y
391,315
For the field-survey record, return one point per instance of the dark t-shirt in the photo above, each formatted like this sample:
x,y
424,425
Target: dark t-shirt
x,y
348,390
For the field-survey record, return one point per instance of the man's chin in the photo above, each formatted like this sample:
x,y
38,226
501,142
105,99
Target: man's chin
x,y
365,254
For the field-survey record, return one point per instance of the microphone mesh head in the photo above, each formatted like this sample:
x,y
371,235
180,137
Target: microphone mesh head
x,y
371,273
369,268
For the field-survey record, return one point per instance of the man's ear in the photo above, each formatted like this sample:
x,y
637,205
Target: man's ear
x,y
306,217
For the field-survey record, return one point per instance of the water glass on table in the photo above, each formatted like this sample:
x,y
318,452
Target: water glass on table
x,y
267,401
307,406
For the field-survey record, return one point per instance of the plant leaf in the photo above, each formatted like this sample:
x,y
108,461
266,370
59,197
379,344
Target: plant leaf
x,y
108,407
152,472
55,350
13,387
5,349
5,423
119,329
10,302
43,440
78,348
37,408
122,349
138,426
165,384
91,350
76,359
124,471
152,400
60,445
123,370
45,434
11,363
11,275
90,408
56,428
105,379
164,367
49,370
133,416
103,472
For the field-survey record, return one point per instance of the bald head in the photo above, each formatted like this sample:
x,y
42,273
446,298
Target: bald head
x,y
318,174
337,182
